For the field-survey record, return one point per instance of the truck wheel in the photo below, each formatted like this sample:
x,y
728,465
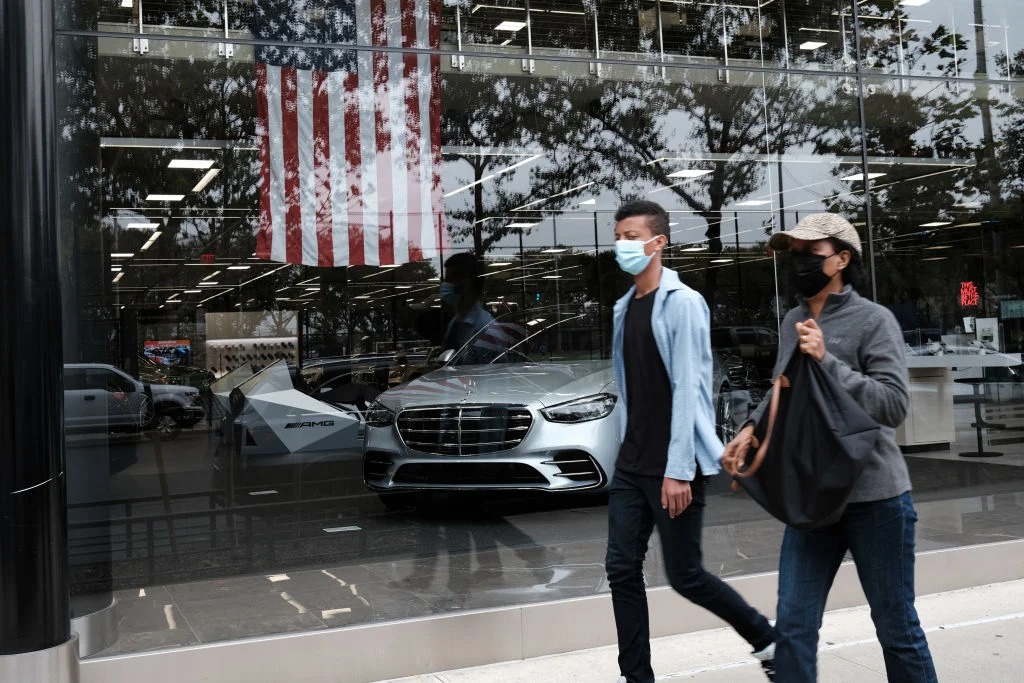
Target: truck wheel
x,y
165,426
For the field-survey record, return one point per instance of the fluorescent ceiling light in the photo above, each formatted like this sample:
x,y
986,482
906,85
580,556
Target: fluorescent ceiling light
x,y
520,225
755,202
126,254
239,267
213,274
366,296
165,197
510,26
936,224
935,258
143,226
551,277
391,265
127,4
190,163
536,321
498,265
812,45
969,225
208,283
205,180
403,286
118,277
699,248
914,3
553,251
149,242
193,291
721,260
859,177
115,269
494,175
939,246
689,173
312,289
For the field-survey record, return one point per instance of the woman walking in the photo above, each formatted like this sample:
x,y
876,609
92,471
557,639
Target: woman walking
x,y
861,345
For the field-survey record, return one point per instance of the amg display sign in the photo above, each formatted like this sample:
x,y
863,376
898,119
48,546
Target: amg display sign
x,y
299,425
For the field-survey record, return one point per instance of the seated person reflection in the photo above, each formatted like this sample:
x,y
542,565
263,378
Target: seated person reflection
x,y
461,292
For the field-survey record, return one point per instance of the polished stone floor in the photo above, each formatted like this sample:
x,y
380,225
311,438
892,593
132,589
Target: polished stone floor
x,y
185,576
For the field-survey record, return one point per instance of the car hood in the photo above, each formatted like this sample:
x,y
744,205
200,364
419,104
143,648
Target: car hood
x,y
542,384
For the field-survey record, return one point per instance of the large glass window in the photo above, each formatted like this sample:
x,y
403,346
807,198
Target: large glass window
x,y
252,396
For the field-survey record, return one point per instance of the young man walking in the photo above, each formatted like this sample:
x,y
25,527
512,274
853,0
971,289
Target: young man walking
x,y
662,357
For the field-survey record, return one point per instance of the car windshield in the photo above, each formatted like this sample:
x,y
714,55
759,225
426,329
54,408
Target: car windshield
x,y
547,334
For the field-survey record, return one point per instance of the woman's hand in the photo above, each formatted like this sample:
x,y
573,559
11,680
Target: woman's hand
x,y
737,449
812,340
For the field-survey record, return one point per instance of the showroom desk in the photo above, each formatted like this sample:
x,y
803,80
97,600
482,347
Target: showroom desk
x,y
929,420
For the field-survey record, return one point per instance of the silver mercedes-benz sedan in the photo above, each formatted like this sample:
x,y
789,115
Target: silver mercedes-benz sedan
x,y
524,405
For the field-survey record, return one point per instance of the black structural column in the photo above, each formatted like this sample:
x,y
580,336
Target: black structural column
x,y
34,612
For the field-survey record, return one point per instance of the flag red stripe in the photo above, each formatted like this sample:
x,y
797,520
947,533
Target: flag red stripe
x,y
290,144
353,161
322,169
382,129
265,234
413,130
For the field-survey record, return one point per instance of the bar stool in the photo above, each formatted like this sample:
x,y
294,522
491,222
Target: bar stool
x,y
977,398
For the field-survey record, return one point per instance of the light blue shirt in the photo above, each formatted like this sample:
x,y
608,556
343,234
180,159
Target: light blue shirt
x,y
682,332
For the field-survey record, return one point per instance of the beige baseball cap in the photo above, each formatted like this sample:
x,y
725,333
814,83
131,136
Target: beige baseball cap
x,y
817,226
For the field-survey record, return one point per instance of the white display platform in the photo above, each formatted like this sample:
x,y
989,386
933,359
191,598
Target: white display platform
x,y
930,416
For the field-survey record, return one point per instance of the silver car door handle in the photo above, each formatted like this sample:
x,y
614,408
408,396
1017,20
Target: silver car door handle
x,y
89,398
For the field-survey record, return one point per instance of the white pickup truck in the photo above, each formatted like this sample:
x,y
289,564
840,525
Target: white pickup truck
x,y
102,398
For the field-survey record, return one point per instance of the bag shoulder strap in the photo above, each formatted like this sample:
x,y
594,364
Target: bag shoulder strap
x,y
781,382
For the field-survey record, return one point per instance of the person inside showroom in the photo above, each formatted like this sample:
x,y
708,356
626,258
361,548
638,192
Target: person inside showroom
x,y
461,292
663,365
861,345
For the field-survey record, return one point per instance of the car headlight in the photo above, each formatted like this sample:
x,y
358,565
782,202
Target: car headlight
x,y
378,415
582,409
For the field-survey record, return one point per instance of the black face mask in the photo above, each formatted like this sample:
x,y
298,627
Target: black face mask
x,y
807,273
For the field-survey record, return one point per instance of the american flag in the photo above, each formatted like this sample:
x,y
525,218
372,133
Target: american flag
x,y
349,140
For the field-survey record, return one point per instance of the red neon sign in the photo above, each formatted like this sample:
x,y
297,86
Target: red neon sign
x,y
969,294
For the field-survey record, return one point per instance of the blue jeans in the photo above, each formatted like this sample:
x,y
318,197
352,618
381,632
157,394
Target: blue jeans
x,y
634,509
880,537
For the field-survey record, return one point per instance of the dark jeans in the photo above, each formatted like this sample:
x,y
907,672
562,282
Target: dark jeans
x,y
880,536
634,509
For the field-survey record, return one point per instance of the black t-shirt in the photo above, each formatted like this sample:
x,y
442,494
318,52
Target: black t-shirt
x,y
648,395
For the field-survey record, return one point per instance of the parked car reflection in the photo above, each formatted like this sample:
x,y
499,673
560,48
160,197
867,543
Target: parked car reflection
x,y
102,398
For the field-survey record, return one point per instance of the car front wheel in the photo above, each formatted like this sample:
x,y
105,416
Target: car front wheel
x,y
726,417
165,426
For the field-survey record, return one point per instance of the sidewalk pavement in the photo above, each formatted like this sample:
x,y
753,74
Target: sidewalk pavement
x,y
976,634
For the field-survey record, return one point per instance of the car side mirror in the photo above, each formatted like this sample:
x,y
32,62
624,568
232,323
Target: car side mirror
x,y
446,355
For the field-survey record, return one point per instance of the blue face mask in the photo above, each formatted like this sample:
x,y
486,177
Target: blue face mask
x,y
450,294
630,256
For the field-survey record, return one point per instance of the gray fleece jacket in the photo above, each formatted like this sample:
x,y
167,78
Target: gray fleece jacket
x,y
864,351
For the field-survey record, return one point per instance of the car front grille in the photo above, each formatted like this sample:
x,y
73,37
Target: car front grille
x,y
464,430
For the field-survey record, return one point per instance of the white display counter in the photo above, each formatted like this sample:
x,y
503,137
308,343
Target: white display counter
x,y
930,416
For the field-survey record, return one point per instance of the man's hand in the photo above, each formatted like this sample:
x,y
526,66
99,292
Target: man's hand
x,y
737,449
812,341
676,496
